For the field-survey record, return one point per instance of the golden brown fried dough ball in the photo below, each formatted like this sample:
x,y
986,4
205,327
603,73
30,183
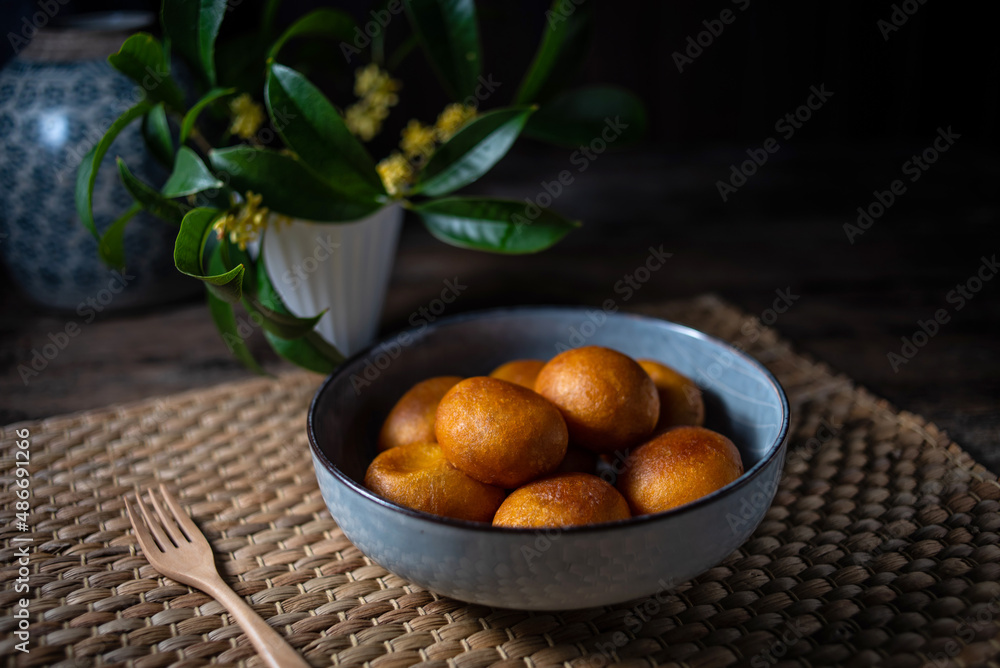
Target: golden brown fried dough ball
x,y
677,467
519,372
418,476
411,420
608,401
500,433
681,403
561,500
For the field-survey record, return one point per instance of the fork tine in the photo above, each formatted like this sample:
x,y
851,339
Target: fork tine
x,y
154,527
142,534
190,529
168,523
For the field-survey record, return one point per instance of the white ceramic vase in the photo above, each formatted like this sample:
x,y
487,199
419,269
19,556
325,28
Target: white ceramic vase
x,y
341,267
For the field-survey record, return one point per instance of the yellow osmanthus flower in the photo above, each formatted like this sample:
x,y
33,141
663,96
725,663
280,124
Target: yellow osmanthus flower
x,y
418,140
376,91
395,172
371,79
452,119
361,122
246,224
248,116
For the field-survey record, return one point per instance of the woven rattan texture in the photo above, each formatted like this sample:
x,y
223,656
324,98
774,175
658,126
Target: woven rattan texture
x,y
880,549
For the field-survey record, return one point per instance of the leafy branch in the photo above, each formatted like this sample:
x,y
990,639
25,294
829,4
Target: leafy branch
x,y
323,172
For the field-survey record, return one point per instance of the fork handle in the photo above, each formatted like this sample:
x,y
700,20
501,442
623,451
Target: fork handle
x,y
270,645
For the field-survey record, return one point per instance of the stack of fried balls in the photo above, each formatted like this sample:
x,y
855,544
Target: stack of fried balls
x,y
539,444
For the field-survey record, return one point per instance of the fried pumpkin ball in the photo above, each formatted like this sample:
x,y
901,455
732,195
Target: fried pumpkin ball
x,y
561,500
500,433
681,402
677,467
418,476
608,401
411,420
519,372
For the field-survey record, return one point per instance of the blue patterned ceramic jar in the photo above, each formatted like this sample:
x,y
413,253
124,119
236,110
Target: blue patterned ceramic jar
x,y
57,98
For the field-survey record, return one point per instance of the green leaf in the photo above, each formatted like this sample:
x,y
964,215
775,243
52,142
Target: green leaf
x,y
282,325
316,132
87,172
288,186
264,301
156,133
187,124
224,317
329,23
580,116
111,247
499,226
150,199
225,322
472,151
449,35
310,351
190,176
192,26
144,60
233,255
189,249
563,47
268,17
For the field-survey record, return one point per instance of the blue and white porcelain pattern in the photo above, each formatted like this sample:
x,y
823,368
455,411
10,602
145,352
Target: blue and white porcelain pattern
x,y
51,114
570,568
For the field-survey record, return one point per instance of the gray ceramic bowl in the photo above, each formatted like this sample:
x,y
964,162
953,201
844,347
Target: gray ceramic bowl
x,y
552,569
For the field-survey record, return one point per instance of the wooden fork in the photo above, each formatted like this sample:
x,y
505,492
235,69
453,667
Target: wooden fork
x,y
176,548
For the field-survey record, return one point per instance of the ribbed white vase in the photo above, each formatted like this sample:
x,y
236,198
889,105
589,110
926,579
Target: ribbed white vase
x,y
342,267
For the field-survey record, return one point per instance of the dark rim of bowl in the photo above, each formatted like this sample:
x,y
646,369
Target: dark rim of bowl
x,y
745,479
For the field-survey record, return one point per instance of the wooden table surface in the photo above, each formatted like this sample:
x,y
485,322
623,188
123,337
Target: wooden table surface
x,y
781,234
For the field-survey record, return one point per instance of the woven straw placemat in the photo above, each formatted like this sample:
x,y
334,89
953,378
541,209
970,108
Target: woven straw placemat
x,y
880,548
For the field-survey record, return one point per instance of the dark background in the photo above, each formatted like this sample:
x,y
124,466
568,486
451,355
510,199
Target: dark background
x,y
782,230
